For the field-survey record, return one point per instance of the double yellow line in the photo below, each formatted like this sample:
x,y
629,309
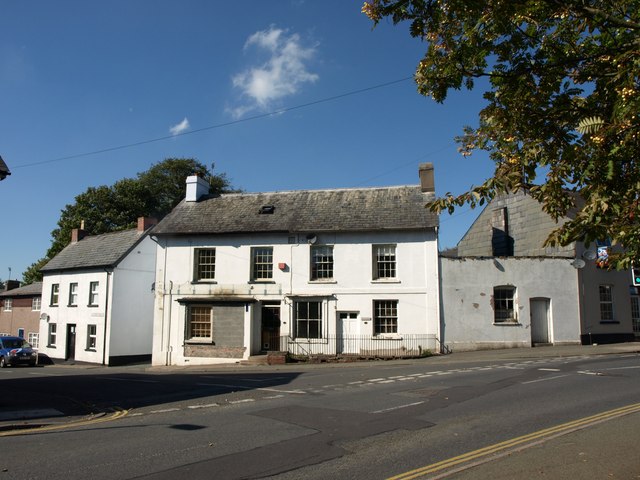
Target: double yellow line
x,y
65,426
518,441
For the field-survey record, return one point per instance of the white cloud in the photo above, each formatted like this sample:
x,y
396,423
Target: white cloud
x,y
284,72
180,127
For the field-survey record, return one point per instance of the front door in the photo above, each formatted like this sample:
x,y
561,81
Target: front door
x,y
539,320
71,342
270,327
348,332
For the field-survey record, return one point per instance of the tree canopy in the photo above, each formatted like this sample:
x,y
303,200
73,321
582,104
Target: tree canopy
x,y
563,104
103,209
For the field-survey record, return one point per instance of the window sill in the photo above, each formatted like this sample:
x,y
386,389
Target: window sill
x,y
199,341
261,282
204,282
385,280
508,323
72,306
609,322
90,350
330,282
54,305
51,346
92,305
386,336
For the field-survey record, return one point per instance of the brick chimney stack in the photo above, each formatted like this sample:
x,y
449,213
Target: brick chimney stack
x,y
77,234
425,170
145,223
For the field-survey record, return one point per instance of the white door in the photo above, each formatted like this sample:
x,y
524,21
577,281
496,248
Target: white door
x,y
539,320
348,332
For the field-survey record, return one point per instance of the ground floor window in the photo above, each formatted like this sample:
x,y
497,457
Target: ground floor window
x,y
51,340
503,304
92,335
199,319
385,316
606,303
308,319
34,339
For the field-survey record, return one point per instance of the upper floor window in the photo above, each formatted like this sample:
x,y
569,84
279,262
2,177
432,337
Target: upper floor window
x,y
261,263
385,316
8,304
199,321
308,319
321,262
384,261
504,304
36,303
55,294
205,264
606,304
93,293
73,294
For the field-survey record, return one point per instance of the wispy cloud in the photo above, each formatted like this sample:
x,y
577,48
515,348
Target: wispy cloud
x,y
180,127
284,72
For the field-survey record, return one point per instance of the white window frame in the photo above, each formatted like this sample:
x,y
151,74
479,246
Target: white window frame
x,y
204,268
55,295
321,263
8,304
92,337
385,262
261,264
34,339
385,317
93,293
73,294
52,333
203,311
36,304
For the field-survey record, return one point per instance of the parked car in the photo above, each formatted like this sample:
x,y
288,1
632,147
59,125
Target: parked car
x,y
16,351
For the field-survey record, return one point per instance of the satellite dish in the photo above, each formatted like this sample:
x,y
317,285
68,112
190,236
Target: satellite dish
x,y
44,317
589,255
311,238
578,263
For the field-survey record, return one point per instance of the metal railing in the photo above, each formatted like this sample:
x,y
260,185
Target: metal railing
x,y
362,346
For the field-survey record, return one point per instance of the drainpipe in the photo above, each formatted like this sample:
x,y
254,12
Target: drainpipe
x,y
106,316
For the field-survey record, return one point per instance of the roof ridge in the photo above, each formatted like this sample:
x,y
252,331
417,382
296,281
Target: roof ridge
x,y
342,189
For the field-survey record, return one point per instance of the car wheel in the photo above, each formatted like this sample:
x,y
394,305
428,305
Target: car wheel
x,y
3,362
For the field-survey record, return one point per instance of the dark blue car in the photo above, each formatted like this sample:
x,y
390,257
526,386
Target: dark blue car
x,y
16,351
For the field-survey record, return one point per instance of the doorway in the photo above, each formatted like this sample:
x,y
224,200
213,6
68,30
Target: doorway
x,y
270,335
540,320
347,329
71,342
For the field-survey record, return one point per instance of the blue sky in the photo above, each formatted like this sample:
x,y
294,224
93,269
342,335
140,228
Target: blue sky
x,y
78,77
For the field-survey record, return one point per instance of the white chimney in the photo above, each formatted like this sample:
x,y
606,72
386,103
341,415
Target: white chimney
x,y
196,188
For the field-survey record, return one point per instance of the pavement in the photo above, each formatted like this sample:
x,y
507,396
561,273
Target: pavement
x,y
14,414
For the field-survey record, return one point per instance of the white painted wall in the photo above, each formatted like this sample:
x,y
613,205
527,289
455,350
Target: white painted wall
x,y
352,287
467,291
131,302
124,309
81,315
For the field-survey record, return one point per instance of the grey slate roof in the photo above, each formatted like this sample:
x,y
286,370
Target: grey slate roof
x,y
95,251
31,290
345,210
